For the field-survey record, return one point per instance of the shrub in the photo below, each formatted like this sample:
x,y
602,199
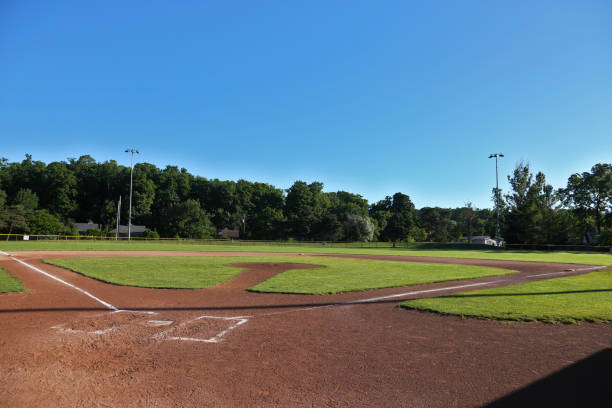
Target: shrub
x,y
151,234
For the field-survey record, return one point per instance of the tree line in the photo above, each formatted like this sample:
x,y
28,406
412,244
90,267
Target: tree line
x,y
39,198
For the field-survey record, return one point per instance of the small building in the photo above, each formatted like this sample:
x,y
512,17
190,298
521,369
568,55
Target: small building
x,y
136,231
484,240
83,227
229,233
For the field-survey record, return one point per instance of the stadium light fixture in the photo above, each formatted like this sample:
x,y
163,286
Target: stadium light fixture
x,y
497,233
132,150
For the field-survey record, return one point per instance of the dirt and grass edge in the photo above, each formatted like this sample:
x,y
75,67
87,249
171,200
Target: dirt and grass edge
x,y
437,305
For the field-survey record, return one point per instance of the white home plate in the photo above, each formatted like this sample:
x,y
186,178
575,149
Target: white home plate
x,y
205,329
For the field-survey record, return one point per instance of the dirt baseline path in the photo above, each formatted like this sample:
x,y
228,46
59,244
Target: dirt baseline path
x,y
224,346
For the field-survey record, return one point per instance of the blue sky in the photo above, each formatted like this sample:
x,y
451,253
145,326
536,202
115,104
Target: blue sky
x,y
367,97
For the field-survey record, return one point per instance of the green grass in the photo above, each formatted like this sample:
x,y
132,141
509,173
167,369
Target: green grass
x,y
9,284
561,300
588,258
335,275
159,272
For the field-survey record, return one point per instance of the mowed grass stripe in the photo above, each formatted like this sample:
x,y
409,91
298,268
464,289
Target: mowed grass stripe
x,y
9,284
560,300
587,258
334,275
351,275
152,272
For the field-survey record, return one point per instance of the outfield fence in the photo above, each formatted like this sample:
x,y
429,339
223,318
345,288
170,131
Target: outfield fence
x,y
330,244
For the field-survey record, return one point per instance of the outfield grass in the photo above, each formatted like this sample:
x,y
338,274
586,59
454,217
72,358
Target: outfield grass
x,y
350,275
588,258
335,275
9,284
561,300
159,272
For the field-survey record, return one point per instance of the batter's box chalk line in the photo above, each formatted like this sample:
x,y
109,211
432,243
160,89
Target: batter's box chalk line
x,y
237,321
62,327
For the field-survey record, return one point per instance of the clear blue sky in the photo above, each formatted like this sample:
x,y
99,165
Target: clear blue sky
x,y
367,97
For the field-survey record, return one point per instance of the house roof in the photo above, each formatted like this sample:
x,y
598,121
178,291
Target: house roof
x,y
85,226
123,229
231,233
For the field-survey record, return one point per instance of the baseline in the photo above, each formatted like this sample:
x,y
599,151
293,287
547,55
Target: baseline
x,y
47,274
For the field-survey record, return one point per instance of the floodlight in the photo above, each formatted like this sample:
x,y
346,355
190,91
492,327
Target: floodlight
x,y
497,234
132,150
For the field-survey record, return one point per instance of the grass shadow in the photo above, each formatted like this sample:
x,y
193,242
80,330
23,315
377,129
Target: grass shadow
x,y
585,383
567,292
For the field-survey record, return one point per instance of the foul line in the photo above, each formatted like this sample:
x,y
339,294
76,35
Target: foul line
x,y
564,272
418,292
86,293
354,302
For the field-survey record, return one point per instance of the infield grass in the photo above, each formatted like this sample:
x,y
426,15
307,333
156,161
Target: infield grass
x,y
588,258
561,300
9,284
335,275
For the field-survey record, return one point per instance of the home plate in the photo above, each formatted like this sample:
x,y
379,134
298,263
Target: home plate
x,y
204,329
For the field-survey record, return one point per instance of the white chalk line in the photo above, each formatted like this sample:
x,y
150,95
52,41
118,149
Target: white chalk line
x,y
566,272
86,293
369,300
418,292
61,327
217,338
240,320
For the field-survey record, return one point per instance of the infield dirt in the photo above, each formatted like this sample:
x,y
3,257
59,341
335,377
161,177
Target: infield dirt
x,y
61,348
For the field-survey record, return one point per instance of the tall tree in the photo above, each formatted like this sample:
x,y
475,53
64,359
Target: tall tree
x,y
529,205
61,190
305,205
590,194
401,222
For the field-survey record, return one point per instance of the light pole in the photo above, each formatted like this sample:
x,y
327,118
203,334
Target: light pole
x,y
118,219
497,234
132,150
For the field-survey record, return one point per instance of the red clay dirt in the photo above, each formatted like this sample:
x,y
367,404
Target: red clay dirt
x,y
226,347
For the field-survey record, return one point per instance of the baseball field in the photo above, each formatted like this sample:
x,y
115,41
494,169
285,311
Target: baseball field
x,y
163,324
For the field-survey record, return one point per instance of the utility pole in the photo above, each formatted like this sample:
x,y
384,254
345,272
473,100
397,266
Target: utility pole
x,y
497,233
132,150
243,226
118,218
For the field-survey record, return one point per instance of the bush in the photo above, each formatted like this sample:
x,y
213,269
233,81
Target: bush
x,y
41,222
605,238
151,234
95,232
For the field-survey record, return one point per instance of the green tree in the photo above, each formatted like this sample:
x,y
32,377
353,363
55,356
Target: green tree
x,y
61,190
305,206
358,228
530,205
589,195
401,221
4,216
434,222
26,198
41,222
188,220
16,220
380,212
